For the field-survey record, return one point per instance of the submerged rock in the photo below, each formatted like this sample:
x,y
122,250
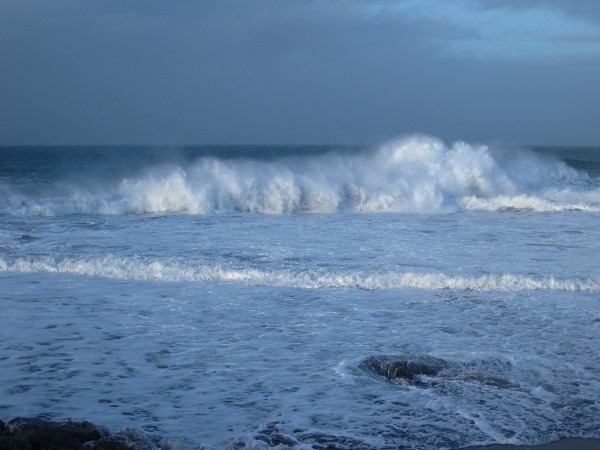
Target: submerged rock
x,y
30,433
37,434
414,369
407,367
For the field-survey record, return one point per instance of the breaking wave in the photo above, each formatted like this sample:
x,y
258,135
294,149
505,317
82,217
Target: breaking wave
x,y
137,268
416,174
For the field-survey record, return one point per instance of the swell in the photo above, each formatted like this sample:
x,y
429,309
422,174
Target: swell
x,y
145,269
416,174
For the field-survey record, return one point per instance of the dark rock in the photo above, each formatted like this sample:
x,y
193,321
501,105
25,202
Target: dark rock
x,y
123,440
406,367
12,443
271,435
38,434
31,433
412,369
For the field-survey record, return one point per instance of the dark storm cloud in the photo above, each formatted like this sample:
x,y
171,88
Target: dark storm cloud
x,y
584,9
269,71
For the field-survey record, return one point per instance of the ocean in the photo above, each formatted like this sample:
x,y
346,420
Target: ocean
x,y
249,297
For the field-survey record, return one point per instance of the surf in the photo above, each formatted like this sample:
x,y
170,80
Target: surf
x,y
412,174
160,270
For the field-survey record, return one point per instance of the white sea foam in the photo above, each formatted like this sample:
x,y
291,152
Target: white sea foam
x,y
412,174
148,269
250,328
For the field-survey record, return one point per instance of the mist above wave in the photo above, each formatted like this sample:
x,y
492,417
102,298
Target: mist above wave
x,y
416,174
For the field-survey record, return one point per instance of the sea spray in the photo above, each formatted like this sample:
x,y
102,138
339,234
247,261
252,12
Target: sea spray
x,y
415,174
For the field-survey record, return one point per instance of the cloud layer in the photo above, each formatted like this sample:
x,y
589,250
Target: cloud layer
x,y
305,71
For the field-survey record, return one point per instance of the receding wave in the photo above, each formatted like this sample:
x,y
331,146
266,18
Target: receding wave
x,y
416,174
137,268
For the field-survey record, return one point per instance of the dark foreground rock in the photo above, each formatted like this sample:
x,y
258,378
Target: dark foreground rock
x,y
37,434
407,368
424,370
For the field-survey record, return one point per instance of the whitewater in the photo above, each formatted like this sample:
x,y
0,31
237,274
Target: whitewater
x,y
232,297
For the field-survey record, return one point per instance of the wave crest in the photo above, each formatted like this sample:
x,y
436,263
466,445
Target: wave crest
x,y
143,269
417,174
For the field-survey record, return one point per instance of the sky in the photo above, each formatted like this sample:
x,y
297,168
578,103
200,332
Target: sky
x,y
76,72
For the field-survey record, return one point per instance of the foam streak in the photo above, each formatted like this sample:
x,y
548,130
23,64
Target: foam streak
x,y
146,269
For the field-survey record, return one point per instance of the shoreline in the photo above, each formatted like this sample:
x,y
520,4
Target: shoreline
x,y
562,444
26,433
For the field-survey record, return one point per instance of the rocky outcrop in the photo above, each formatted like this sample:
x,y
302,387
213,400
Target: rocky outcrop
x,y
424,370
404,368
37,434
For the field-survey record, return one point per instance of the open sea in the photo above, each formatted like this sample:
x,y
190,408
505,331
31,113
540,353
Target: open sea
x,y
241,297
